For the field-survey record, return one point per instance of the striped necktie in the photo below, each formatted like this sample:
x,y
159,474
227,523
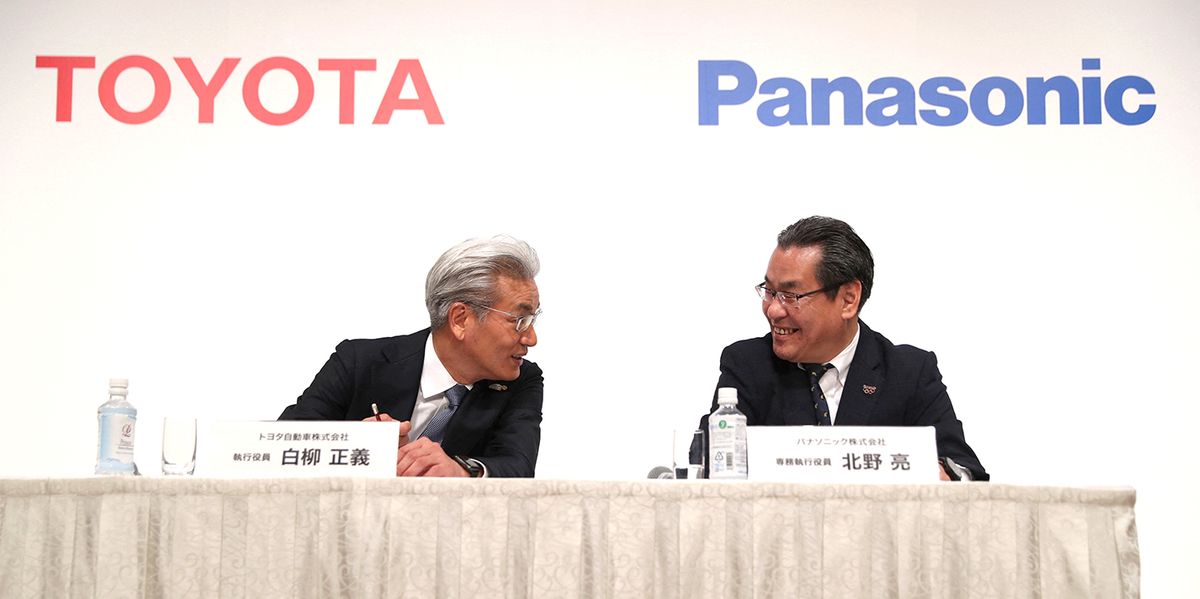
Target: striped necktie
x,y
436,429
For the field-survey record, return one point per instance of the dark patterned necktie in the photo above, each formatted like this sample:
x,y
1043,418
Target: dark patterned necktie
x,y
820,406
436,428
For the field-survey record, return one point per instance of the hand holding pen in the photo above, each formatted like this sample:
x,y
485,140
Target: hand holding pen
x,y
378,416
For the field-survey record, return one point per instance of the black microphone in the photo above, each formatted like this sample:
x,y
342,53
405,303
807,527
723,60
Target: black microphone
x,y
660,472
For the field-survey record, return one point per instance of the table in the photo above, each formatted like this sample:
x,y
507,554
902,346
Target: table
x,y
471,539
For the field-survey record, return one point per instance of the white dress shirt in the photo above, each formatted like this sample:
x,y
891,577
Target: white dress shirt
x,y
431,397
834,379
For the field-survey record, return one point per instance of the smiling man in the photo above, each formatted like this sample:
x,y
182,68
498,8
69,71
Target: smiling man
x,y
469,402
816,283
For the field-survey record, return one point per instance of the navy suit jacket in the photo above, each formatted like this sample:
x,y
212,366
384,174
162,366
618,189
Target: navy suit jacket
x,y
888,385
498,423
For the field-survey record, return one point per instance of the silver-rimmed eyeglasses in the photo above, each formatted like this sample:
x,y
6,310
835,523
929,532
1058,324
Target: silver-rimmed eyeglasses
x,y
787,298
523,322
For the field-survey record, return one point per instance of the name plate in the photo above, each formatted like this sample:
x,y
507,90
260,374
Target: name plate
x,y
842,454
298,448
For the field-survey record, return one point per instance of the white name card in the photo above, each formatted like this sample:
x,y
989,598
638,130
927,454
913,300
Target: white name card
x,y
842,454
298,448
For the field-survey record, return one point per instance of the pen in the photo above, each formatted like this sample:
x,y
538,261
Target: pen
x,y
375,409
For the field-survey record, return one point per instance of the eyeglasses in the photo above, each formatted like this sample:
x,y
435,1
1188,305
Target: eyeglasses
x,y
523,322
787,298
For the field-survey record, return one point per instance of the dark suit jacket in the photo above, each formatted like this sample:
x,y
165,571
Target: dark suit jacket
x,y
502,429
888,385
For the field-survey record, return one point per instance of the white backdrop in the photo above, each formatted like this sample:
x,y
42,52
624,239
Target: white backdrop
x,y
216,265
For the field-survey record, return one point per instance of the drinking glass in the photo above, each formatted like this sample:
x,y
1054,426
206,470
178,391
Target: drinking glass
x,y
178,445
688,464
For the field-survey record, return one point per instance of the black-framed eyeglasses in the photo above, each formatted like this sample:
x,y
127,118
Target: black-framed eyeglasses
x,y
787,298
523,322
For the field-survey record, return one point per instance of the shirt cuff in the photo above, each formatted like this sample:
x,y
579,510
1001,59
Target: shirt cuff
x,y
955,471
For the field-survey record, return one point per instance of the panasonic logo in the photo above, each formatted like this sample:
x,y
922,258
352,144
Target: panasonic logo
x,y
938,101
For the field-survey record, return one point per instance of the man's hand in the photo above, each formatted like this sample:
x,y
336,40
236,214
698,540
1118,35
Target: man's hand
x,y
405,426
421,457
426,458
942,472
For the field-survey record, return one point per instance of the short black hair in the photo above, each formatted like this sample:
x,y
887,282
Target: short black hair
x,y
845,257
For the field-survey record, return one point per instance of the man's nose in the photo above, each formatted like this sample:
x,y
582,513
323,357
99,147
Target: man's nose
x,y
774,309
529,337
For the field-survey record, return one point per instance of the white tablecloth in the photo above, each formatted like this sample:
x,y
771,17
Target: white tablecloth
x,y
471,539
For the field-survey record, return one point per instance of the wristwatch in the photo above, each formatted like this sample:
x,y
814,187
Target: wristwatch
x,y
474,468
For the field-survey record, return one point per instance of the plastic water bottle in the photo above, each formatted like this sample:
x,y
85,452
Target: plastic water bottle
x,y
727,437
118,422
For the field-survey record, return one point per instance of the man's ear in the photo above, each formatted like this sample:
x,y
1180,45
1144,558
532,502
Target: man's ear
x,y
459,319
850,298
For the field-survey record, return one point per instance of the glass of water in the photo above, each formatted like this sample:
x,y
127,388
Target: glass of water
x,y
689,453
178,445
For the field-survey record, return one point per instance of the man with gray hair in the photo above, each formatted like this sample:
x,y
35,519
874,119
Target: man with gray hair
x,y
468,401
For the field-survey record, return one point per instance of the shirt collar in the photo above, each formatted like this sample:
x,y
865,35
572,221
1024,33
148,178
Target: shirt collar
x,y
435,379
841,362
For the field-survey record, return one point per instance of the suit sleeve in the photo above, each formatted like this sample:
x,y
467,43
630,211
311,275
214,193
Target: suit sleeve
x,y
734,373
932,407
328,396
512,449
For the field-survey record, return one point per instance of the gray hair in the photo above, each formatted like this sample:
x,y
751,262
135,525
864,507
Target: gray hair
x,y
467,273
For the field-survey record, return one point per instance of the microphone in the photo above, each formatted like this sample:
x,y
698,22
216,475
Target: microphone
x,y
660,472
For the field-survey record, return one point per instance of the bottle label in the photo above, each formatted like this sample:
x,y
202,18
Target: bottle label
x,y
727,446
116,437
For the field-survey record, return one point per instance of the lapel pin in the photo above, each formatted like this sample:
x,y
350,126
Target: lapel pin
x,y
869,389
498,387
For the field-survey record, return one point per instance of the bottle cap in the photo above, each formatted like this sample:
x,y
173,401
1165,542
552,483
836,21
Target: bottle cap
x,y
118,386
727,396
